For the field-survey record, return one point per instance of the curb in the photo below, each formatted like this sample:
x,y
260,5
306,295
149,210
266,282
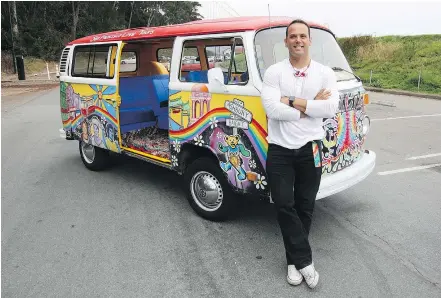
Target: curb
x,y
29,83
401,92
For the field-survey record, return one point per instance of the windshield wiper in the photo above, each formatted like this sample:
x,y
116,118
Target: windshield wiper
x,y
341,69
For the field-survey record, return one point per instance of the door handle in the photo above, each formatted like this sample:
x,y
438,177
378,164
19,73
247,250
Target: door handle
x,y
115,101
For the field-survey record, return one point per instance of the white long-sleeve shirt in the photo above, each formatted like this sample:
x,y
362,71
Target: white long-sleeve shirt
x,y
285,127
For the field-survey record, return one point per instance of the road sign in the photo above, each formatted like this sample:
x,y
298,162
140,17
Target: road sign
x,y
237,123
239,110
241,117
239,102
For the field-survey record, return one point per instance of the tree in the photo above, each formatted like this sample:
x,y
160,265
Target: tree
x,y
75,16
42,28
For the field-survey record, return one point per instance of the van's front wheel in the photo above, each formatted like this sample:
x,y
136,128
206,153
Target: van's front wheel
x,y
208,191
94,158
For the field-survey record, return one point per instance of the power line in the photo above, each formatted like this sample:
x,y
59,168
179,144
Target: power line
x,y
219,6
229,6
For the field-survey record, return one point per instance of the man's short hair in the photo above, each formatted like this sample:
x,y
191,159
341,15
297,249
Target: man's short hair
x,y
296,21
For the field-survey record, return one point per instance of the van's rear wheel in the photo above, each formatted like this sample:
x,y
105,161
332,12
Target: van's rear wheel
x,y
94,158
208,191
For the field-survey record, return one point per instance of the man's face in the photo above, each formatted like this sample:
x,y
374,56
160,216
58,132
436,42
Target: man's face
x,y
298,41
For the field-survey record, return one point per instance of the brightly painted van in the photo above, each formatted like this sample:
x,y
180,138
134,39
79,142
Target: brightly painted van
x,y
187,97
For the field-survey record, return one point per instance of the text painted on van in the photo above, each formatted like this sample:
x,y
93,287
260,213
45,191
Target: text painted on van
x,y
238,109
120,35
238,123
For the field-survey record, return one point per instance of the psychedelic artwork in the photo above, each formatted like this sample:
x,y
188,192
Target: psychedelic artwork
x,y
343,142
89,113
233,127
229,126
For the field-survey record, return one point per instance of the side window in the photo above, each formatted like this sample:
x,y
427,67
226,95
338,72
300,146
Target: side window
x,y
190,63
222,56
218,56
129,61
164,56
81,62
91,61
240,62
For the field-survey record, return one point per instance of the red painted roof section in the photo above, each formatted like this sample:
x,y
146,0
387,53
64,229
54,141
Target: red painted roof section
x,y
192,28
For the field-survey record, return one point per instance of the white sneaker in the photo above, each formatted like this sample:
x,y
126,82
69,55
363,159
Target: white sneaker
x,y
294,277
311,276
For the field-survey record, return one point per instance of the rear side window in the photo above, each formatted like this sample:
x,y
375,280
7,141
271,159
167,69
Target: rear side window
x,y
164,56
129,61
92,61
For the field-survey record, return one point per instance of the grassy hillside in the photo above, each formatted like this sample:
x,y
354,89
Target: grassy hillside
x,y
396,61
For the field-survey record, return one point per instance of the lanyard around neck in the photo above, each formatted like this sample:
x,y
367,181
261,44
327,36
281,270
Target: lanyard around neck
x,y
302,73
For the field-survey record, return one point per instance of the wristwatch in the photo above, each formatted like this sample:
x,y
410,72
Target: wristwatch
x,y
291,100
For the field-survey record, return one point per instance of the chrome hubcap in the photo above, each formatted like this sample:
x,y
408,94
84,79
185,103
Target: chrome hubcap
x,y
206,191
88,152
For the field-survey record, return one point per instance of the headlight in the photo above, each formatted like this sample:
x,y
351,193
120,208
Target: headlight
x,y
366,125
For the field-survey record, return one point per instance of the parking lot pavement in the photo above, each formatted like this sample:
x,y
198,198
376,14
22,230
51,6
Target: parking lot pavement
x,y
129,231
406,134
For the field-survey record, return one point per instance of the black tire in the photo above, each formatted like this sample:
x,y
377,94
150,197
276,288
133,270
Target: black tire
x,y
212,171
100,159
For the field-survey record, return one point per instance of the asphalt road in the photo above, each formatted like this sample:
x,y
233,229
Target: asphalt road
x,y
129,231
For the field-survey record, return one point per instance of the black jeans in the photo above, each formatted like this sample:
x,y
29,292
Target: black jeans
x,y
294,180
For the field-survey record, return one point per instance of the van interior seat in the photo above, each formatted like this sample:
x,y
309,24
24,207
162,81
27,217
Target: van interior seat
x,y
244,77
197,76
201,76
155,68
157,87
144,99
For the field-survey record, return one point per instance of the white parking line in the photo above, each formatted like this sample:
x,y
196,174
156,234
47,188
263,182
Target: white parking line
x,y
406,117
424,156
409,169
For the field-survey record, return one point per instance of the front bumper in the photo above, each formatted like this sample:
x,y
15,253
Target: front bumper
x,y
62,133
344,179
66,134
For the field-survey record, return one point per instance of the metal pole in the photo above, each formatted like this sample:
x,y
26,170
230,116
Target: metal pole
x,y
370,79
20,68
269,15
419,80
48,73
12,39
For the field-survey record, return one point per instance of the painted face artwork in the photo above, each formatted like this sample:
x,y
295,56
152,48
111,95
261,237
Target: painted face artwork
x,y
343,142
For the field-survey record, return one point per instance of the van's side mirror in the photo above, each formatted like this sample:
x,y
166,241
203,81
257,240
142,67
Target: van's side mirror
x,y
216,78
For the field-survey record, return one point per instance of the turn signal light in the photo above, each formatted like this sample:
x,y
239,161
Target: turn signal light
x,y
366,99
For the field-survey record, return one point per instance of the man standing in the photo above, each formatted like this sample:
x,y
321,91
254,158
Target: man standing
x,y
297,94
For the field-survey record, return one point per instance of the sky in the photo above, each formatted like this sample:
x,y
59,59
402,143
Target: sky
x,y
344,18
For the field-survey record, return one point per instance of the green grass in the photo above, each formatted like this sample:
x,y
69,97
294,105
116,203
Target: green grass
x,y
396,61
241,64
32,65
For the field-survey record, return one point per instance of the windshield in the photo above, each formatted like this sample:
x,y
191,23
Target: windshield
x,y
270,49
